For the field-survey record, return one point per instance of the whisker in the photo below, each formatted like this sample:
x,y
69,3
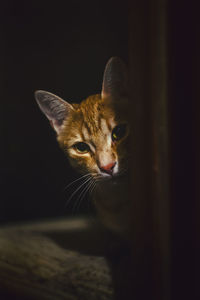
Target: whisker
x,y
83,193
92,188
86,175
85,189
97,176
82,184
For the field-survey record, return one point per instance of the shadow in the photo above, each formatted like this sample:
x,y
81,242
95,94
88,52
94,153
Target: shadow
x,y
86,236
90,241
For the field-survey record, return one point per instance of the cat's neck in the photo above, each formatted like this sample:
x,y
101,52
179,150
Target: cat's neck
x,y
112,202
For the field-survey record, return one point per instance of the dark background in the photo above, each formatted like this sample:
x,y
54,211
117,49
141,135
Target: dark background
x,y
61,47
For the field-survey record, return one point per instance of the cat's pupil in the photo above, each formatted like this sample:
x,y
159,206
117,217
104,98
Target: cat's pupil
x,y
82,147
119,132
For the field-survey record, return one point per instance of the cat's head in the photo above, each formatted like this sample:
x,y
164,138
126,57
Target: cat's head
x,y
94,133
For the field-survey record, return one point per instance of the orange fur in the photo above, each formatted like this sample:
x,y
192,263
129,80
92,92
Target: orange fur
x,y
85,122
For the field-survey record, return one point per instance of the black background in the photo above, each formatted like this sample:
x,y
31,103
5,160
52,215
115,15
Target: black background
x,y
61,47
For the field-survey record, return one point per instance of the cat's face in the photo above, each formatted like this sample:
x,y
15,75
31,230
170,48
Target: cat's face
x,y
94,134
94,137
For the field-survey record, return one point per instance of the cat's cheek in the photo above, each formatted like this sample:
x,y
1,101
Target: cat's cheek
x,y
78,165
81,163
90,165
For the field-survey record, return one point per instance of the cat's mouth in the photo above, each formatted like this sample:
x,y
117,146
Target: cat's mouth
x,y
114,178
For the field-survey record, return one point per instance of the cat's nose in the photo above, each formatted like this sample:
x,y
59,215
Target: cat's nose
x,y
108,168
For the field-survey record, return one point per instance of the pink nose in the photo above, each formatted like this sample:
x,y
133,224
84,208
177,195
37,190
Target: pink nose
x,y
108,168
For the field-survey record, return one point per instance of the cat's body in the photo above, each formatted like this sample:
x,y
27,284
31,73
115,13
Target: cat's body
x,y
112,204
95,136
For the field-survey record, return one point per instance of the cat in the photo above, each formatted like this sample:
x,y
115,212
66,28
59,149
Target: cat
x,y
95,136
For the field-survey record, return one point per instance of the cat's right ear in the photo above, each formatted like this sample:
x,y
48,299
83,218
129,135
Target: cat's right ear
x,y
55,108
115,79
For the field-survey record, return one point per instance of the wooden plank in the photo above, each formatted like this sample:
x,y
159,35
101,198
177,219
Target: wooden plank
x,y
150,148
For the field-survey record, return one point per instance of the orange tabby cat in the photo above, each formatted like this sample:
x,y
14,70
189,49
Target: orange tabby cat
x,y
94,135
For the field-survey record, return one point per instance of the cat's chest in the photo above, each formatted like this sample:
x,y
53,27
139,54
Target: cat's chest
x,y
112,202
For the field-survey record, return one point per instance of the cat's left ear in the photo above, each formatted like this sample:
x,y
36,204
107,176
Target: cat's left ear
x,y
115,79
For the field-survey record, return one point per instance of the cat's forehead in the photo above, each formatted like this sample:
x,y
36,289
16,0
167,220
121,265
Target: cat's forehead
x,y
96,116
92,121
102,127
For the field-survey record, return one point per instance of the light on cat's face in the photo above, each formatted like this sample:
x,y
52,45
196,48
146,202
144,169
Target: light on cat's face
x,y
98,150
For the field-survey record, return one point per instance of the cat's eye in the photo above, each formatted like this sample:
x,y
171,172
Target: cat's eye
x,y
119,132
81,147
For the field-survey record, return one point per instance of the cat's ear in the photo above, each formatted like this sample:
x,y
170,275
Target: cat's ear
x,y
55,108
115,79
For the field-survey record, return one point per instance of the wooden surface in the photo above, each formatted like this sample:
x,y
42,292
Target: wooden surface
x,y
59,259
150,149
